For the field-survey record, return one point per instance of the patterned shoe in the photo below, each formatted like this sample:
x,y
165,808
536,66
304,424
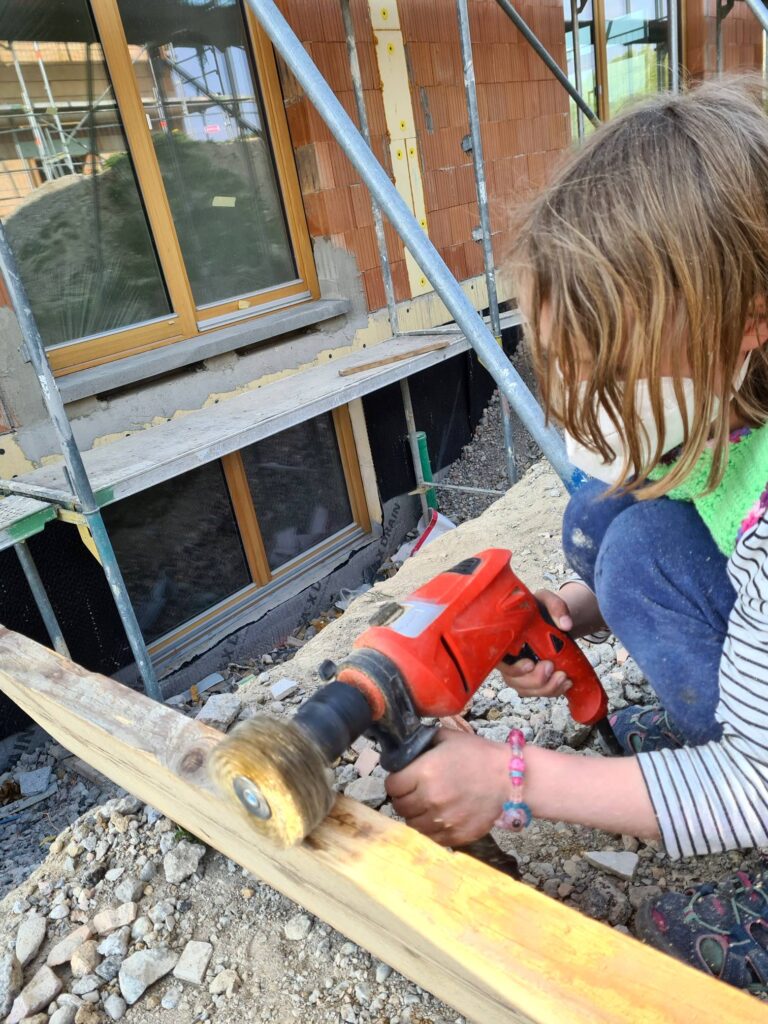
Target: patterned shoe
x,y
721,929
642,729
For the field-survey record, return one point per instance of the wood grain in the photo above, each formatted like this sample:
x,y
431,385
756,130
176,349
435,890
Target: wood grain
x,y
372,364
496,950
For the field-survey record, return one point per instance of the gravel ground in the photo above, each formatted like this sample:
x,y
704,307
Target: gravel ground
x,y
259,957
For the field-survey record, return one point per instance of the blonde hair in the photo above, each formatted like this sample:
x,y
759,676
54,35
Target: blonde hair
x,y
651,242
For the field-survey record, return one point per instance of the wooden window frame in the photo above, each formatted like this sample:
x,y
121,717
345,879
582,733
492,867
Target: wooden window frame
x,y
601,51
186,319
251,538
246,513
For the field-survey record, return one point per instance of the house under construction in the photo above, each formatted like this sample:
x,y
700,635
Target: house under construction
x,y
206,271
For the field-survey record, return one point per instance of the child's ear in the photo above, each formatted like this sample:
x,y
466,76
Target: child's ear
x,y
756,328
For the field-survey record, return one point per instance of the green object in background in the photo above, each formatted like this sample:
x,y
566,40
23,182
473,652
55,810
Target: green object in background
x,y
426,468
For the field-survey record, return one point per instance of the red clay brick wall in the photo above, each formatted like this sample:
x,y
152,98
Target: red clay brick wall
x,y
742,39
337,204
524,115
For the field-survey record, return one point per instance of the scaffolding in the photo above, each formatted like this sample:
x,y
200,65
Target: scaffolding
x,y
78,503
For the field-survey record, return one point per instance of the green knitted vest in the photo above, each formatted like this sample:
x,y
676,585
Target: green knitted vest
x,y
725,509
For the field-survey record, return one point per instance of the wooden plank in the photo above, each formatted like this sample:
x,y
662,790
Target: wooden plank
x,y
496,950
373,364
151,456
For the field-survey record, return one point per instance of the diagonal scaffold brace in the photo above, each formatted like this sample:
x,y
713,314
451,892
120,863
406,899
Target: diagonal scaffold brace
x,y
344,130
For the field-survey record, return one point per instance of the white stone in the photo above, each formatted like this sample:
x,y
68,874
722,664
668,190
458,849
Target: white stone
x,y
370,791
116,943
298,928
129,890
64,1015
115,1007
224,983
62,952
113,874
220,711
87,983
32,783
383,971
143,969
59,912
283,688
11,980
141,926
29,938
35,996
193,962
115,917
172,998
622,863
182,861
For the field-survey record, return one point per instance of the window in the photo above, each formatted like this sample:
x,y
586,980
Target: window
x,y
147,182
215,536
623,49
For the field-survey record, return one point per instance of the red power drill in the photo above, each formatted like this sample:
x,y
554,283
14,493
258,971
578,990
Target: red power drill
x,y
427,655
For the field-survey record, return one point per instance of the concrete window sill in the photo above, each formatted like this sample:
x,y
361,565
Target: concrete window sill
x,y
122,372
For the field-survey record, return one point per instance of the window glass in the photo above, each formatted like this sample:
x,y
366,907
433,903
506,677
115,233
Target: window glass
x,y
587,60
179,548
298,488
68,192
197,84
637,49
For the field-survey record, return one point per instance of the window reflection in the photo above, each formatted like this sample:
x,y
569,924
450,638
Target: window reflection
x,y
202,107
68,193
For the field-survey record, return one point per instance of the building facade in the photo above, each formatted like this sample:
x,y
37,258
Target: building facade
x,y
198,250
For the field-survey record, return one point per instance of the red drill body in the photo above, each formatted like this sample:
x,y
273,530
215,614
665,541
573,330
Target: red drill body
x,y
447,636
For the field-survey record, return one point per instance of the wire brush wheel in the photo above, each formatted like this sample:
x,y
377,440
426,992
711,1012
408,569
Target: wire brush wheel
x,y
274,773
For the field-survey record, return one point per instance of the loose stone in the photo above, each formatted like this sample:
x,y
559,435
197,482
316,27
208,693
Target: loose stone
x,y
193,962
143,969
29,938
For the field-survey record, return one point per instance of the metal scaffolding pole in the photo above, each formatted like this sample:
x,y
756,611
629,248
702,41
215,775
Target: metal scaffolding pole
x,y
44,606
362,113
73,463
530,37
481,186
760,11
674,45
402,219
722,10
577,63
54,109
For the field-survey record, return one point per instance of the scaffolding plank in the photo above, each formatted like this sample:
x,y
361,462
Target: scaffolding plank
x,y
497,950
151,456
21,518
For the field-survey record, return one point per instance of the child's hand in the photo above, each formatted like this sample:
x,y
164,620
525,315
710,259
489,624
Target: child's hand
x,y
540,679
454,792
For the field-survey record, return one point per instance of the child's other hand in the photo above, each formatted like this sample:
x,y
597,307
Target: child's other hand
x,y
540,679
454,792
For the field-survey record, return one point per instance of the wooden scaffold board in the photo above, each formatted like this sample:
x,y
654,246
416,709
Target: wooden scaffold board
x,y
495,949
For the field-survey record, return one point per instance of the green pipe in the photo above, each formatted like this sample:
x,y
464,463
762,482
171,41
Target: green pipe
x,y
426,468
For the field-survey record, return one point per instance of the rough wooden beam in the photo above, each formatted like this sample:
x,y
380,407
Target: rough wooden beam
x,y
496,950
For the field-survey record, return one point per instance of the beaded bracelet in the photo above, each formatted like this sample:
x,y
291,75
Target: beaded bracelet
x,y
515,814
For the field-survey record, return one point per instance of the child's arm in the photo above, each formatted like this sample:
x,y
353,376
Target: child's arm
x,y
455,791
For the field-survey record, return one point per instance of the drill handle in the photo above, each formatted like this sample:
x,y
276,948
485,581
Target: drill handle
x,y
545,641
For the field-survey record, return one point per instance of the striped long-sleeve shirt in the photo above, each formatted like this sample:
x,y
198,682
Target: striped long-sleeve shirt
x,y
715,797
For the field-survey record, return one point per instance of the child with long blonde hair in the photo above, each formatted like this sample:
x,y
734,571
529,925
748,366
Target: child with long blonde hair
x,y
643,274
